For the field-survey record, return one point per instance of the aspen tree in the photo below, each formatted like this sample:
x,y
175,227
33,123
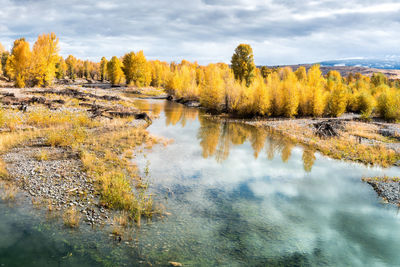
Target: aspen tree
x,y
61,68
44,59
114,70
71,67
19,62
315,83
290,93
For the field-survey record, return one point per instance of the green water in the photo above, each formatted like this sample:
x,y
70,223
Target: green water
x,y
237,196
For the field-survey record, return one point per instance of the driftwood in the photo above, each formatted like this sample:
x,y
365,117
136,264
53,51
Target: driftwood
x,y
78,94
329,128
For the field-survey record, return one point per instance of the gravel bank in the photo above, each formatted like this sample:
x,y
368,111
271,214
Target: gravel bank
x,y
58,179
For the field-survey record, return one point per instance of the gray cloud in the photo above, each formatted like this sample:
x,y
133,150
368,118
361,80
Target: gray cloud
x,y
281,32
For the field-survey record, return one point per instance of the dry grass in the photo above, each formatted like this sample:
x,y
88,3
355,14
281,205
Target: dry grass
x,y
342,147
71,217
385,179
365,130
42,155
3,170
105,148
8,192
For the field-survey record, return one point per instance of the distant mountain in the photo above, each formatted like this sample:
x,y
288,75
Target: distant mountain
x,y
387,63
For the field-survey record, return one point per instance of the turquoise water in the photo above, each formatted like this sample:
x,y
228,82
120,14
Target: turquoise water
x,y
235,196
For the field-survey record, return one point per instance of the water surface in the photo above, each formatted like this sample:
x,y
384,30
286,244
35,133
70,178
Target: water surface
x,y
237,196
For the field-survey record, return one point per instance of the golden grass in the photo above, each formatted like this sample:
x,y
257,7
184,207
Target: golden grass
x,y
342,147
386,179
8,192
71,217
105,148
3,170
42,155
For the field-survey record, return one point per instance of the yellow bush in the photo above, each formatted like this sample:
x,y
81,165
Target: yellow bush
x,y
389,104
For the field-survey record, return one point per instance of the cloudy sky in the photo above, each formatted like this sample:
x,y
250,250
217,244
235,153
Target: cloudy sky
x,y
280,31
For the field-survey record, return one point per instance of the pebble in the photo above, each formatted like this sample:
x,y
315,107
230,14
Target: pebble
x,y
60,179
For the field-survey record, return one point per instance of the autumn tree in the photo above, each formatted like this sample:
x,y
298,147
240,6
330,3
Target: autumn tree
x,y
44,59
3,60
71,62
290,93
103,69
378,79
114,70
159,73
212,94
315,83
2,50
18,63
136,69
243,64
274,87
389,104
265,71
61,68
337,101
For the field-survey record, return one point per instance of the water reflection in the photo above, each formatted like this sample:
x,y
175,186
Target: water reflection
x,y
217,136
242,197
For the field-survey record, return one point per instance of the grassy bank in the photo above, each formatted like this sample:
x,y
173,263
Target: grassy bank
x,y
104,146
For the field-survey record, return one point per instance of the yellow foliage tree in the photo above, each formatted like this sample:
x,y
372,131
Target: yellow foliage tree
x,y
44,59
136,69
337,101
277,101
103,69
2,50
389,104
61,68
114,70
259,99
290,93
71,62
19,62
315,84
212,93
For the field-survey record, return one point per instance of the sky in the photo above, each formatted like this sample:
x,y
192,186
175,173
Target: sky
x,y
279,31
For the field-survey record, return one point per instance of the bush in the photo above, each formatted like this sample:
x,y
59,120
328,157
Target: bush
x,y
389,105
366,104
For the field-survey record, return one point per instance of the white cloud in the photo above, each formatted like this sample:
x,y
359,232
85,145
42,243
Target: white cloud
x,y
281,32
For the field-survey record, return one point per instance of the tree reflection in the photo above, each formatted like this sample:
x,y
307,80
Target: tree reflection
x,y
209,136
217,136
176,113
308,159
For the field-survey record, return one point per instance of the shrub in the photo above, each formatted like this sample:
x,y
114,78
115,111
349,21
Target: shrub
x,y
389,105
366,104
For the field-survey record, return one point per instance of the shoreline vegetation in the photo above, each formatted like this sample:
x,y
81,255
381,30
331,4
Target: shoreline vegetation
x,y
52,121
71,151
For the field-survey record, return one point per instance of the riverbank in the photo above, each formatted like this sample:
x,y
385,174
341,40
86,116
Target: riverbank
x,y
71,150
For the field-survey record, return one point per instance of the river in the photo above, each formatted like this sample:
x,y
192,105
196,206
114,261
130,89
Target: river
x,y
235,195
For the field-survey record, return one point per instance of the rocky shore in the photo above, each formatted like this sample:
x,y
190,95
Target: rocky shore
x,y
388,188
58,180
54,177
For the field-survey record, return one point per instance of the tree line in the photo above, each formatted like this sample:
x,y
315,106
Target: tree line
x,y
240,88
